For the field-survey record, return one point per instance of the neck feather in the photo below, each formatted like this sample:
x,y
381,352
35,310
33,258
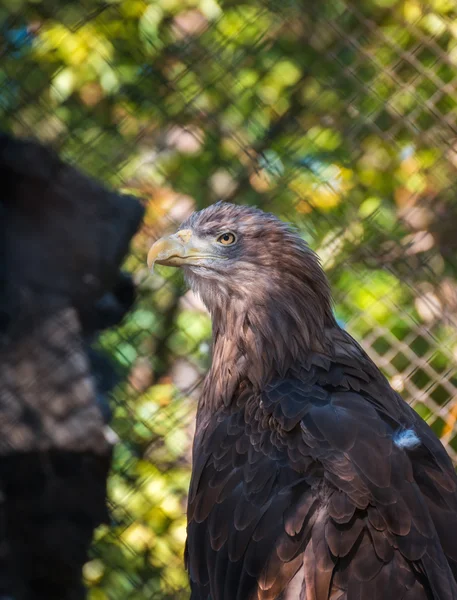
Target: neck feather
x,y
264,337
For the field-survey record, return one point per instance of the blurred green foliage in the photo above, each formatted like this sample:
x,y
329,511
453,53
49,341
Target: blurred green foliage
x,y
338,117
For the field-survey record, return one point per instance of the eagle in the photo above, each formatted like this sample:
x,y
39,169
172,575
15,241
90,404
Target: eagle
x,y
312,479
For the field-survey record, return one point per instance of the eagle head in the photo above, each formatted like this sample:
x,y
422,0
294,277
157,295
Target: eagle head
x,y
239,256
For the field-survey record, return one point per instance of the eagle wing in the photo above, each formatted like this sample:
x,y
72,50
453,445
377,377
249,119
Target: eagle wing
x,y
304,488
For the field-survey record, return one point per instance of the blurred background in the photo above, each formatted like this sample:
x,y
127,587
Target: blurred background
x,y
339,117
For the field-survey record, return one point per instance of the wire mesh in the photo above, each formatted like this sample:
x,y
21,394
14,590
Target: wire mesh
x,y
340,117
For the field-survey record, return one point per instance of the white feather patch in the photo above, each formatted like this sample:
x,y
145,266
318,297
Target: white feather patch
x,y
110,436
407,439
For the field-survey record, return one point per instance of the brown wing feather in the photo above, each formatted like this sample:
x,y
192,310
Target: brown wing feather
x,y
306,479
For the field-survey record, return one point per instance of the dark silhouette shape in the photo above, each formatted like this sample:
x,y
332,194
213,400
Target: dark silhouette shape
x,y
62,239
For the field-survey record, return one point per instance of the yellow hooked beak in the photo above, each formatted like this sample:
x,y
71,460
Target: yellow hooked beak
x,y
181,248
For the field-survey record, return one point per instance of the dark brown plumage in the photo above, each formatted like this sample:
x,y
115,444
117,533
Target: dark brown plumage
x,y
312,479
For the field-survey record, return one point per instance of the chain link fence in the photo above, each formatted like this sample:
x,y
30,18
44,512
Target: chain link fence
x,y
338,116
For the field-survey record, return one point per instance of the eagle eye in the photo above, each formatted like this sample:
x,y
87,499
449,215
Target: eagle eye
x,y
226,239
